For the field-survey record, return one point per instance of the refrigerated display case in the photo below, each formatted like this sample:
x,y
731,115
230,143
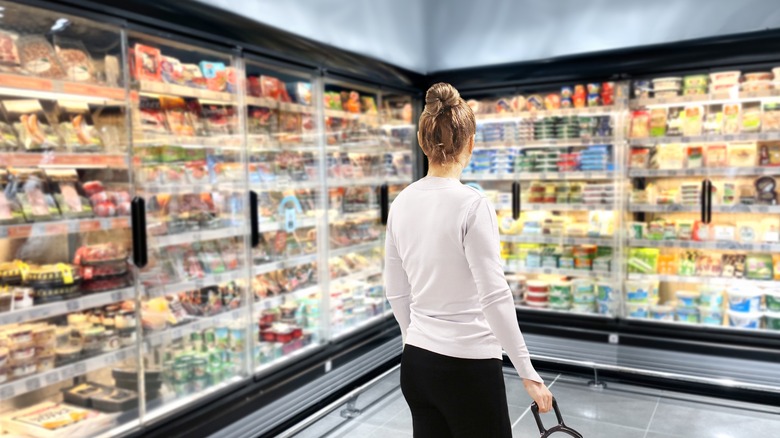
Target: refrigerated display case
x,y
703,237
551,165
66,288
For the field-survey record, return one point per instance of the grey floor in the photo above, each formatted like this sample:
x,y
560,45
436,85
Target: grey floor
x,y
619,411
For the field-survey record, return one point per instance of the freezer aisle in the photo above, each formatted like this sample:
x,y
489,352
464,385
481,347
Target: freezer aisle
x,y
619,410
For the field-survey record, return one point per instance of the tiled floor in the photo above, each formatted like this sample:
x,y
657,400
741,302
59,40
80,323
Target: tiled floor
x,y
619,411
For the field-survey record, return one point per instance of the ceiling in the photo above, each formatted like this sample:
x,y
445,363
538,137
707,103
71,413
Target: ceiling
x,y
434,35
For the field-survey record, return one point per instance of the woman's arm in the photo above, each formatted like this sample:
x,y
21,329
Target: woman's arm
x,y
397,285
482,248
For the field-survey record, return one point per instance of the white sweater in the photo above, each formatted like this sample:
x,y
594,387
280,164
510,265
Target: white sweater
x,y
444,278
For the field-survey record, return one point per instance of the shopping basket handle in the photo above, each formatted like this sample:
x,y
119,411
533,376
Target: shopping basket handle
x,y
560,427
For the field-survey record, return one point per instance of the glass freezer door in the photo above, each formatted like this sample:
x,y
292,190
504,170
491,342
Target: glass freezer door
x,y
189,168
67,319
285,170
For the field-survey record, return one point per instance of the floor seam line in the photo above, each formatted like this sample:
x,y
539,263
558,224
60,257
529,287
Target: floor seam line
x,y
529,407
652,416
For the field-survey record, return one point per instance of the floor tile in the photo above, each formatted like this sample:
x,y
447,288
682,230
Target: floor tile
x,y
588,428
675,417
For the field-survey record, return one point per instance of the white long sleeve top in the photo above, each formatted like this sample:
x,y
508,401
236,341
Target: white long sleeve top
x,y
444,278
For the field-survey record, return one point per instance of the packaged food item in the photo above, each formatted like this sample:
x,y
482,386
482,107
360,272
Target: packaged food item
x,y
536,102
30,189
218,119
177,116
640,124
76,127
47,418
172,70
675,121
193,76
152,117
53,282
759,267
731,118
758,76
111,68
755,86
147,63
713,120
75,59
692,122
751,119
9,55
332,99
32,125
716,156
642,88
368,105
69,193
215,74
101,397
725,77
742,154
669,83
694,157
38,57
658,122
552,101
10,209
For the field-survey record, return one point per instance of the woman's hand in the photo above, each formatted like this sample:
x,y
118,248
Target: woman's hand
x,y
540,394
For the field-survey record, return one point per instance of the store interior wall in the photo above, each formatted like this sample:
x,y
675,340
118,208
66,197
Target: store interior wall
x,y
434,35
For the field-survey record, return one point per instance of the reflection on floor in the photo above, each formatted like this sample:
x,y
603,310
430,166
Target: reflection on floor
x,y
619,411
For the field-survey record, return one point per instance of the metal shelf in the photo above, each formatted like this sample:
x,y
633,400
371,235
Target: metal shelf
x,y
557,240
282,106
70,226
195,325
699,280
282,264
718,171
67,306
281,185
713,98
152,87
520,115
41,380
678,208
338,252
33,87
557,271
195,236
278,300
540,176
566,207
652,141
194,188
65,159
724,245
305,222
360,275
200,283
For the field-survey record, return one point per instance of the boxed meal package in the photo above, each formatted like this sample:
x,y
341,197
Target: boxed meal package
x,y
75,59
30,189
69,194
215,74
76,127
193,76
147,63
55,420
172,70
152,117
32,124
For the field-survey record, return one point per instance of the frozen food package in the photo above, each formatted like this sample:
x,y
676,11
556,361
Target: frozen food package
x,y
10,209
253,86
111,70
716,156
751,118
111,126
176,114
38,57
218,119
9,54
713,120
368,105
640,124
147,63
262,121
192,76
675,121
658,122
742,154
49,419
69,194
171,70
215,74
32,192
74,59
301,91
152,116
32,125
731,118
693,120
9,140
76,127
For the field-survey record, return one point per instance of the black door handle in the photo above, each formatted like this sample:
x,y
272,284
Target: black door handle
x,y
709,202
138,219
384,202
254,219
516,200
706,201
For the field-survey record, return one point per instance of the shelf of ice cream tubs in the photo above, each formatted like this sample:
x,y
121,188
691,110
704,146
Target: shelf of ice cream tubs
x,y
156,88
557,240
86,160
71,226
752,136
680,208
720,245
42,88
704,171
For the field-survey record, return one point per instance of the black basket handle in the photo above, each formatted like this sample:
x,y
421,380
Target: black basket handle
x,y
560,427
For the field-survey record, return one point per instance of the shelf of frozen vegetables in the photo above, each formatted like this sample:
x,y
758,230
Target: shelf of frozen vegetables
x,y
713,99
65,159
278,300
556,240
565,207
156,88
362,324
41,88
195,236
193,325
582,273
360,247
704,171
194,188
283,264
34,382
753,136
71,226
722,245
305,222
699,279
66,306
199,283
680,208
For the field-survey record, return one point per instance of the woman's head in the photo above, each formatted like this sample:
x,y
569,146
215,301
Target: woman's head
x,y
447,125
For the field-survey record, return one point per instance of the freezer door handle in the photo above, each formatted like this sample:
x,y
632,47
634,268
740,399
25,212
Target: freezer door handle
x,y
384,202
706,201
138,219
516,200
254,219
709,202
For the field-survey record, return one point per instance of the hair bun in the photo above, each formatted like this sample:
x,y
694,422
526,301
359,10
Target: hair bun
x,y
440,97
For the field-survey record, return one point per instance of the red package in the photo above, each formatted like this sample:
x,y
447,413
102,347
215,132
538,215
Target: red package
x,y
270,87
253,86
147,63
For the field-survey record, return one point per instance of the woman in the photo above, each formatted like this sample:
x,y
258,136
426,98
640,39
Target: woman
x,y
448,291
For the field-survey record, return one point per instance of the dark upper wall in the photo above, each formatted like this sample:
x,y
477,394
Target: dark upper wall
x,y
198,20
